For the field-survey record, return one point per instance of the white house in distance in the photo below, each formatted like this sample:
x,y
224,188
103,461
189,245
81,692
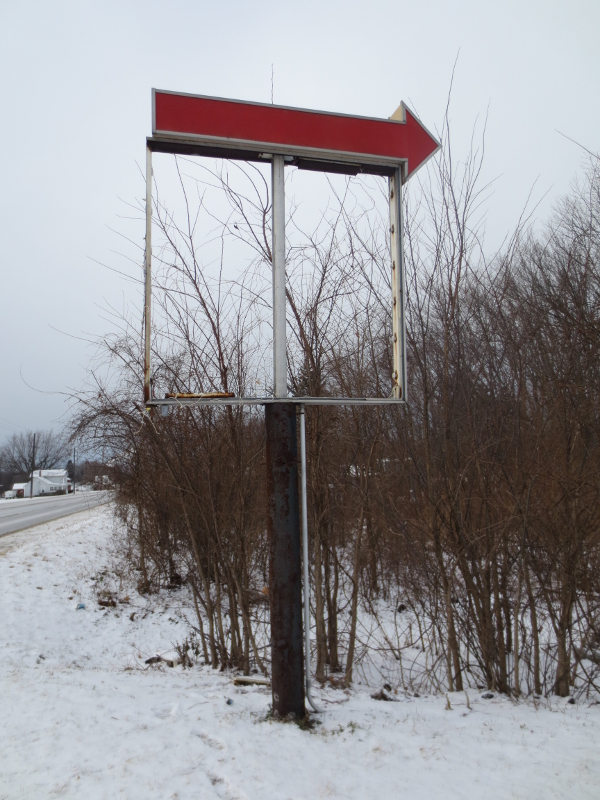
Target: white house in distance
x,y
47,481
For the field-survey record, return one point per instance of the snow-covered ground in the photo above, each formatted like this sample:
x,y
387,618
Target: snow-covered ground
x,y
82,716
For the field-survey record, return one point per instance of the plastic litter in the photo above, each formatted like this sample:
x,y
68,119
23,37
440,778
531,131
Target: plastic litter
x,y
81,607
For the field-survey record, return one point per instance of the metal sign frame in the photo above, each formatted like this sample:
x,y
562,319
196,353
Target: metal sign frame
x,y
309,140
233,138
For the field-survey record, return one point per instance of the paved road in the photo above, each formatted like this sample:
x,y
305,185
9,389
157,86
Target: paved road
x,y
16,515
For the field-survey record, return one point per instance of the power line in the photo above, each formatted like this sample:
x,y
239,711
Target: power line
x,y
6,422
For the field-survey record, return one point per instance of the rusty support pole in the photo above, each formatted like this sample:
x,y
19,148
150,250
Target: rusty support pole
x,y
398,286
285,584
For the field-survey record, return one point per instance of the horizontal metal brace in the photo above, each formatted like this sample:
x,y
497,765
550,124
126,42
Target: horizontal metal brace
x,y
263,401
304,158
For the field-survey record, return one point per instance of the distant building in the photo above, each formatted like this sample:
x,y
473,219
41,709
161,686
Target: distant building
x,y
45,481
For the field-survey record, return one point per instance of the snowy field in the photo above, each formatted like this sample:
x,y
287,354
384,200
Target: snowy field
x,y
82,716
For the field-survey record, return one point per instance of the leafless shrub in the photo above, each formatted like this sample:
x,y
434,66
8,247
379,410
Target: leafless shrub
x,y
454,541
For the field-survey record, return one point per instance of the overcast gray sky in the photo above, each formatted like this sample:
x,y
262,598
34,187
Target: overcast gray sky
x,y
75,110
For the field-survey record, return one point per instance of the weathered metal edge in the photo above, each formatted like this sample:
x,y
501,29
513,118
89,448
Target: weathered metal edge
x,y
262,401
244,150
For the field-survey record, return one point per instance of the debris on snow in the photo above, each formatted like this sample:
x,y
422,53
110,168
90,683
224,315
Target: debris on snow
x,y
383,695
170,659
250,680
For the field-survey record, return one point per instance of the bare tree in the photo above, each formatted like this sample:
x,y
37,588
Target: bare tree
x,y
17,455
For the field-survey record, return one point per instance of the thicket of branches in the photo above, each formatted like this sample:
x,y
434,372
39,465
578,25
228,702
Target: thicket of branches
x,y
454,540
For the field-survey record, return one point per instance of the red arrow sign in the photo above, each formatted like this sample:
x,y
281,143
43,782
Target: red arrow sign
x,y
316,135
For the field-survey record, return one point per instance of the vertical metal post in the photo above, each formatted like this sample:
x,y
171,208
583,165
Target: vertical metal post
x,y
285,585
283,523
305,569
398,285
278,254
148,282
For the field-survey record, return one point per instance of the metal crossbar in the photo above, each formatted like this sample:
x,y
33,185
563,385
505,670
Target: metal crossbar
x,y
263,401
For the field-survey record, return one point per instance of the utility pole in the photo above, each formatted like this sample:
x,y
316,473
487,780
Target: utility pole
x,y
74,468
283,517
32,469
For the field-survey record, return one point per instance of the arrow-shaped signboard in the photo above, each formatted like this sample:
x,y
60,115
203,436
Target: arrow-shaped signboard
x,y
184,123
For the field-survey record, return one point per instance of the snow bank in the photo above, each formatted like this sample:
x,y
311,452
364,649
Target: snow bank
x,y
83,716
